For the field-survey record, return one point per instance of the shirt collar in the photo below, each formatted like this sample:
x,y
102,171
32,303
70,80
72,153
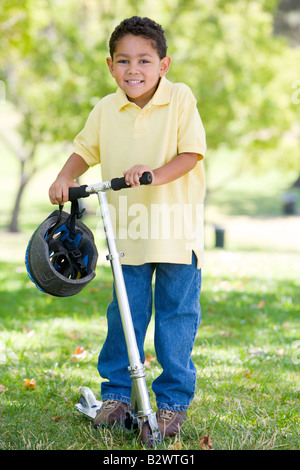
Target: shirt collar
x,y
161,97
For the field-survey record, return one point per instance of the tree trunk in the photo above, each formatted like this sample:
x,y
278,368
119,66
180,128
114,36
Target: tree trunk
x,y
296,184
14,223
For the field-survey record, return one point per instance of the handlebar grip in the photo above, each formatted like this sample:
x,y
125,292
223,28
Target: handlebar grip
x,y
78,192
119,183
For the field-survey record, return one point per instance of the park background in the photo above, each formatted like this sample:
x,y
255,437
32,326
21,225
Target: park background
x,y
241,59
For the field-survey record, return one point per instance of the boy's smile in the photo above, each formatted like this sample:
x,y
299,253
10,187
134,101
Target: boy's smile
x,y
137,68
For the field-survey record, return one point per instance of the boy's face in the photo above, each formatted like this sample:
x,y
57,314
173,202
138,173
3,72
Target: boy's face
x,y
137,68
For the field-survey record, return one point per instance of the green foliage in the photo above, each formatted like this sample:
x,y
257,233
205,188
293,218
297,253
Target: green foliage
x,y
242,76
225,50
52,61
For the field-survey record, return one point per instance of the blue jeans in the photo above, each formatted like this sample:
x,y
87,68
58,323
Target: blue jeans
x,y
177,319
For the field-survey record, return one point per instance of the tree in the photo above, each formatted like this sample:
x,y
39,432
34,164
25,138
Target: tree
x,y
54,63
242,76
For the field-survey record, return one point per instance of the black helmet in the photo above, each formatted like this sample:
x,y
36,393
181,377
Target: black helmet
x,y
61,256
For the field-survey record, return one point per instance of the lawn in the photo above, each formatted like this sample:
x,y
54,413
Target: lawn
x,y
247,354
247,350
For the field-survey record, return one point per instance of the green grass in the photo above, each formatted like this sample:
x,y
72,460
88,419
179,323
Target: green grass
x,y
247,394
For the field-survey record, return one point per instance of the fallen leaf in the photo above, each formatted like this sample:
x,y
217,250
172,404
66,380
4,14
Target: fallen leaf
x,y
73,335
177,446
30,383
56,418
79,352
148,360
224,333
3,388
27,330
205,443
93,290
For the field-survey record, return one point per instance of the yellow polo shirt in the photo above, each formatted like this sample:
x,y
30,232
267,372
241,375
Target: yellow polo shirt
x,y
152,223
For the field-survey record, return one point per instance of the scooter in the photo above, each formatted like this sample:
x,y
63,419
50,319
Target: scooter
x,y
140,416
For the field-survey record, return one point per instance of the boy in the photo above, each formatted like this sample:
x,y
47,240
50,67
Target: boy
x,y
149,124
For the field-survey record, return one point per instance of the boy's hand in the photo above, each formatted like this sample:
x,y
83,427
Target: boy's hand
x,y
73,168
132,176
59,190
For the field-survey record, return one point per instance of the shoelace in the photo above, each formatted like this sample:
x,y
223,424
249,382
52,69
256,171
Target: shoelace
x,y
166,414
109,404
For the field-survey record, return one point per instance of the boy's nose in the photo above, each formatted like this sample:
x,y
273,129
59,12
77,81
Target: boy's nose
x,y
133,68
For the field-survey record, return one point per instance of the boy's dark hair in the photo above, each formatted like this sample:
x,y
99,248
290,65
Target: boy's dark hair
x,y
138,26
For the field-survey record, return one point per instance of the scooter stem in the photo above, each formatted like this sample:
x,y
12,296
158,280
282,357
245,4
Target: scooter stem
x,y
140,402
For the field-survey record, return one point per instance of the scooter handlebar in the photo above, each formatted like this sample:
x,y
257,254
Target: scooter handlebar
x,y
116,184
119,183
78,192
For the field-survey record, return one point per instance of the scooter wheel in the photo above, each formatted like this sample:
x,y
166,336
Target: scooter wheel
x,y
147,437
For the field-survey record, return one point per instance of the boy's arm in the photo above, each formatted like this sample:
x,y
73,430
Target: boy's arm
x,y
74,167
177,167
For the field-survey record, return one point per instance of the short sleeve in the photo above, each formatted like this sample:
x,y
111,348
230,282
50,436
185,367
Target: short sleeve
x,y
191,133
86,143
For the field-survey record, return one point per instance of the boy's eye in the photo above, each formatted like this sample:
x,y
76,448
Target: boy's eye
x,y
125,61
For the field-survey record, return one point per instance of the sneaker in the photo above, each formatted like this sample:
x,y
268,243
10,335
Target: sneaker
x,y
111,412
170,422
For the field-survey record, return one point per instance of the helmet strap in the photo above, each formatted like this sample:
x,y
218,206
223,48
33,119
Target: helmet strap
x,y
61,253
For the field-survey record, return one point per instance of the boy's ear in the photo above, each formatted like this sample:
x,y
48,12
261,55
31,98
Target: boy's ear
x,y
109,62
164,65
